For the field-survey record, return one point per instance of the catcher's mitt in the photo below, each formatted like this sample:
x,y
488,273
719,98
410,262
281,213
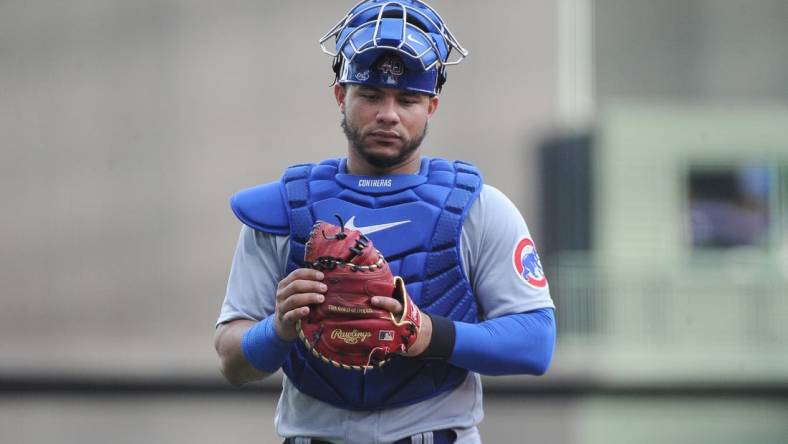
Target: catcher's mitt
x,y
346,330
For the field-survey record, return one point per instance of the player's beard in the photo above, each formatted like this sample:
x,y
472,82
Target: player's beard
x,y
355,140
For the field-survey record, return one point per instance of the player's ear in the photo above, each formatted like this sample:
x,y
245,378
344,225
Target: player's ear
x,y
432,106
340,92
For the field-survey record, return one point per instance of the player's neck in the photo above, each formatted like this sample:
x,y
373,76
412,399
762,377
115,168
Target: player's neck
x,y
360,167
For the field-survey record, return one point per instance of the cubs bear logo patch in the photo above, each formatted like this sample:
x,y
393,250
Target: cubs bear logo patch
x,y
527,263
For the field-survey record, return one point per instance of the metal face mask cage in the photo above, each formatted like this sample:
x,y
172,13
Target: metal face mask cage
x,y
410,28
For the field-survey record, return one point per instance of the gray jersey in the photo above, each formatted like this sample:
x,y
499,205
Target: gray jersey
x,y
492,241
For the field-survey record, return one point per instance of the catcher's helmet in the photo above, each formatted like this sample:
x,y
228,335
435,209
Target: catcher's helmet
x,y
398,44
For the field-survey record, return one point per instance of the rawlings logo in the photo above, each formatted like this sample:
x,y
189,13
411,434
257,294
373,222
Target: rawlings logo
x,y
350,337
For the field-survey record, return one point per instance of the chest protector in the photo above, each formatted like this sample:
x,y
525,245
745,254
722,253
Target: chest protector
x,y
415,220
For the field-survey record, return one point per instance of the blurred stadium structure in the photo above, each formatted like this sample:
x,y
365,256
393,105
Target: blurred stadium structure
x,y
683,278
675,178
644,141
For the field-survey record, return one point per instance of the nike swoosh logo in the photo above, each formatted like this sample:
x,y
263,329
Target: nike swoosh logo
x,y
411,39
351,224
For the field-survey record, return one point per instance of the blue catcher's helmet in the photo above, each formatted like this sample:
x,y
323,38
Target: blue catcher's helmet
x,y
400,44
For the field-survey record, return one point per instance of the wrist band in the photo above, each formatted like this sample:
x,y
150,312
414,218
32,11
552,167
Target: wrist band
x,y
263,348
442,342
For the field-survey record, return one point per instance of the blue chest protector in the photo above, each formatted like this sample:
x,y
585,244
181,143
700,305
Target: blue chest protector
x,y
415,221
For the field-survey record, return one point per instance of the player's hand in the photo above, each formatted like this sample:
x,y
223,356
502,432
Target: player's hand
x,y
425,331
294,294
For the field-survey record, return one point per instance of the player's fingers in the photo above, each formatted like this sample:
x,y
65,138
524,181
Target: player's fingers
x,y
301,274
386,303
299,300
300,286
292,316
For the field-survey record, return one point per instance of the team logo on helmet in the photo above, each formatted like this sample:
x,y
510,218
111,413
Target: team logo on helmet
x,y
527,263
391,68
362,76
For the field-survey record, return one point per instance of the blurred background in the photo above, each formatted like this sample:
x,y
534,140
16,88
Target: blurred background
x,y
644,141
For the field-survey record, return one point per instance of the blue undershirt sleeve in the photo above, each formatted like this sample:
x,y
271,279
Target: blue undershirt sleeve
x,y
521,343
263,348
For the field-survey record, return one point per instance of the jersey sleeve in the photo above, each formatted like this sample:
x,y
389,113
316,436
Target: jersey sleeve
x,y
501,259
258,266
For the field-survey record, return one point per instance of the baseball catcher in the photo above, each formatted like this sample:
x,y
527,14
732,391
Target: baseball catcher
x,y
346,330
321,303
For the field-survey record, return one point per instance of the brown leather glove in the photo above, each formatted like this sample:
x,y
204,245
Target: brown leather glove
x,y
346,330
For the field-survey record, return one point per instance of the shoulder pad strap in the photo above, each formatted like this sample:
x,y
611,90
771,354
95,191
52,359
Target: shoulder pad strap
x,y
262,208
